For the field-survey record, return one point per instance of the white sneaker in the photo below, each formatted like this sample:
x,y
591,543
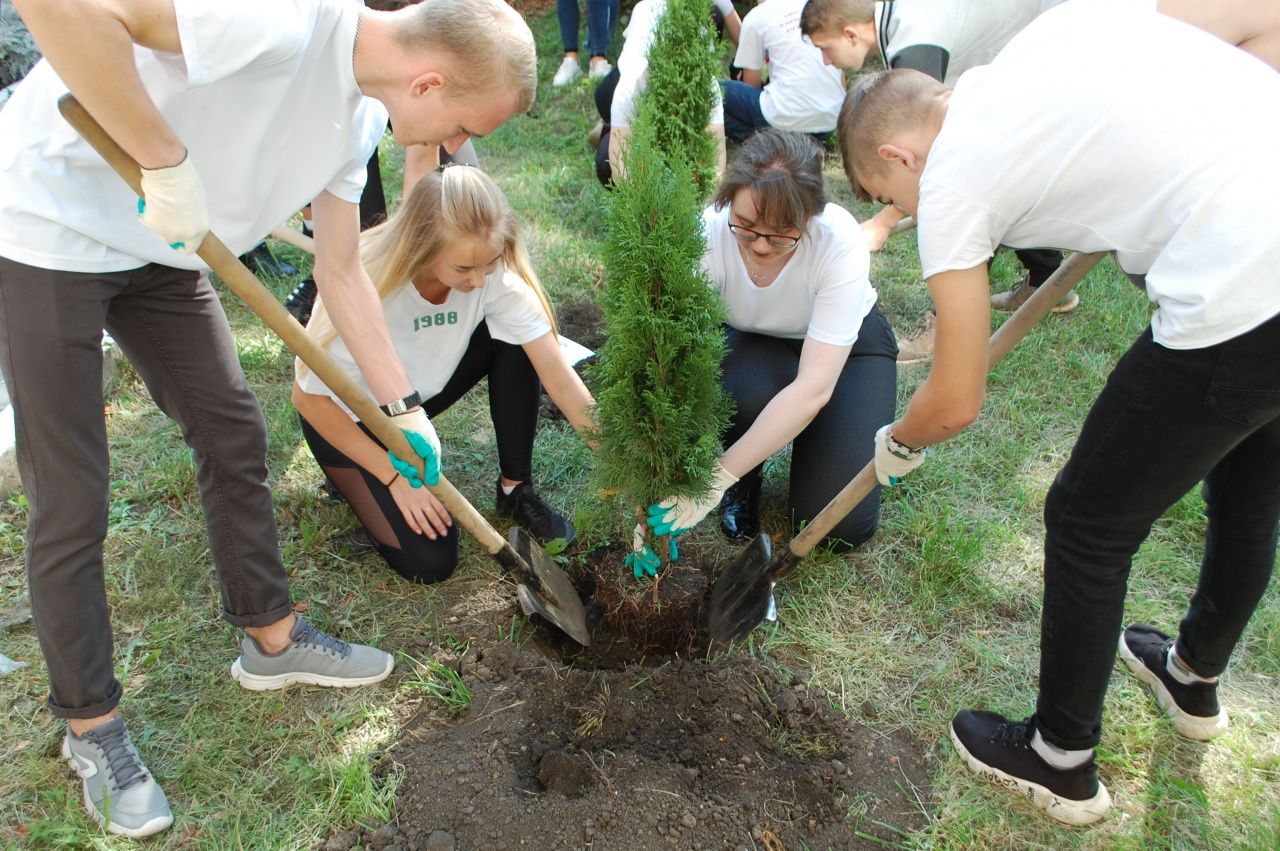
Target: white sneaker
x,y
600,68
119,792
569,71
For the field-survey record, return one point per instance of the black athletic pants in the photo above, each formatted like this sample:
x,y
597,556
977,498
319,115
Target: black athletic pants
x,y
513,406
841,439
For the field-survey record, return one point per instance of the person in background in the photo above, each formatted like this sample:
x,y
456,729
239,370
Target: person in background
x,y
602,15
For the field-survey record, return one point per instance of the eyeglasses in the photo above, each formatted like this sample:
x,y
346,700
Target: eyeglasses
x,y
777,240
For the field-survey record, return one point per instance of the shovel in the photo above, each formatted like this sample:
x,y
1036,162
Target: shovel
x,y
542,586
740,597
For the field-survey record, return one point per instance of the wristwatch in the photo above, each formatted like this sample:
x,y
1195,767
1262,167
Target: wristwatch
x,y
906,453
400,406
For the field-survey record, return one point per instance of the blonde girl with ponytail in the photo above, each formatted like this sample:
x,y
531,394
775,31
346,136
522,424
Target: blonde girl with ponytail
x,y
462,303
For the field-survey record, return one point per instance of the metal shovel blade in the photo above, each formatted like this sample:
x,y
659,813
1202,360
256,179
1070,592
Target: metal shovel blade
x,y
740,597
554,597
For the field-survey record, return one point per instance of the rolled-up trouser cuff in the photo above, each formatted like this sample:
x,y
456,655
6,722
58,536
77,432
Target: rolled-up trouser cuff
x,y
114,691
264,619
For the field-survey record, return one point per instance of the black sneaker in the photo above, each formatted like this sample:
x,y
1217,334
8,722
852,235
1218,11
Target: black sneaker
x,y
264,263
740,508
303,298
994,746
1194,708
531,511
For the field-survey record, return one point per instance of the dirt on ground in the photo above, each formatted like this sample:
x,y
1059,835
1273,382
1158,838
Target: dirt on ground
x,y
623,746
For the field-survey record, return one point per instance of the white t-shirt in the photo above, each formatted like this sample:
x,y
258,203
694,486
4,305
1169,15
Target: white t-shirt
x,y
803,94
633,66
972,32
823,292
1146,154
432,338
265,100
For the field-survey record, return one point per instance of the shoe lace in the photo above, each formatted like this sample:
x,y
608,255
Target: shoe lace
x,y
313,637
126,768
1014,732
534,507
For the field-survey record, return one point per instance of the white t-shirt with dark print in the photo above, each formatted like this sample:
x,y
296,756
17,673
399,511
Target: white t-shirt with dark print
x,y
633,66
265,100
824,291
1146,155
804,93
432,338
969,32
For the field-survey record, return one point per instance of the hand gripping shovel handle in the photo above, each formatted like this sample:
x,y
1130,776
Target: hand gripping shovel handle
x,y
1048,294
259,299
740,596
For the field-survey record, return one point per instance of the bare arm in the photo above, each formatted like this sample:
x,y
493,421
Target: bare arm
x,y
563,385
792,409
422,511
618,137
753,77
878,228
951,397
351,300
732,26
1251,25
90,44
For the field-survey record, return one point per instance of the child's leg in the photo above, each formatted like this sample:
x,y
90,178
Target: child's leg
x,y
569,17
841,439
413,556
513,406
599,26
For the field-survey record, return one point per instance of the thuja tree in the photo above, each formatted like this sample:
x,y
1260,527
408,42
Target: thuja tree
x,y
683,70
659,403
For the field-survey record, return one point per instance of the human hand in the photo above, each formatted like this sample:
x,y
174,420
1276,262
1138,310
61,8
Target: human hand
x,y
425,514
674,515
642,560
173,205
431,463
893,460
415,422
876,233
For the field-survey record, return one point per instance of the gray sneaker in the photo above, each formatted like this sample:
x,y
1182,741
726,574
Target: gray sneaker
x,y
314,657
119,792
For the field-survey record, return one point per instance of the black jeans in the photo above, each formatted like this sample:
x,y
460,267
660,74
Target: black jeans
x,y
841,439
1166,420
513,406
170,324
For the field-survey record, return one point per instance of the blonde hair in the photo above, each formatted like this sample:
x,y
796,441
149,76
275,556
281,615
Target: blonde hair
x,y
487,38
877,107
447,204
831,16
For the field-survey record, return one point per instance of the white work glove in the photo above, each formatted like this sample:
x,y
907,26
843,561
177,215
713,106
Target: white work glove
x,y
893,460
174,206
416,422
674,515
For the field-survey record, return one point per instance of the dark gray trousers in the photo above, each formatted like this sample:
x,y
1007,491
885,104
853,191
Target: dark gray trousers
x,y
171,326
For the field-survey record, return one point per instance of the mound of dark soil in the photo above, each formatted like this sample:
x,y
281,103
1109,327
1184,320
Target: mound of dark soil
x,y
620,747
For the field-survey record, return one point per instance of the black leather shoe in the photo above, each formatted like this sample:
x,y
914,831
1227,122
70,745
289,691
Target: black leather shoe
x,y
740,509
264,263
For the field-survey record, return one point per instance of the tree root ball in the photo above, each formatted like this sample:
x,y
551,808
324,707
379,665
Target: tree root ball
x,y
662,614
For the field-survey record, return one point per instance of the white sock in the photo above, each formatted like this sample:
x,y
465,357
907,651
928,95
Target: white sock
x,y
1058,757
1180,671
507,489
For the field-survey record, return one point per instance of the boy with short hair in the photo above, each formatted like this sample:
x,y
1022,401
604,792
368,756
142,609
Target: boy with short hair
x,y
1155,175
942,38
190,89
802,95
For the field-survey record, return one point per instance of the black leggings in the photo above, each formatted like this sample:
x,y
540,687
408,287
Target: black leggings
x,y
841,439
513,407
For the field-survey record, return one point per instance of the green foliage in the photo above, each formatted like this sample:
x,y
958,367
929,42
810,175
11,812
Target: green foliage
x,y
679,94
659,405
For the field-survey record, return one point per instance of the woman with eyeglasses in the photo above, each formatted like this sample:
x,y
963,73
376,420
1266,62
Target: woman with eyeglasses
x,y
810,361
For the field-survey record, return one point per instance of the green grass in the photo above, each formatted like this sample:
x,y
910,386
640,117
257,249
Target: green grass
x,y
939,612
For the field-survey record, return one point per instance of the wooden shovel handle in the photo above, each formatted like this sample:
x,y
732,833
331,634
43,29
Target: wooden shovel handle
x,y
1048,294
262,302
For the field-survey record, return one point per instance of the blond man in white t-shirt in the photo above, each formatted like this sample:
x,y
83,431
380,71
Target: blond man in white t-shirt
x,y
191,89
1157,177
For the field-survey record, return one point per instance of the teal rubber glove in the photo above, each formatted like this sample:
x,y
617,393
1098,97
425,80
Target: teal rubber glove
x,y
642,560
677,515
410,471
